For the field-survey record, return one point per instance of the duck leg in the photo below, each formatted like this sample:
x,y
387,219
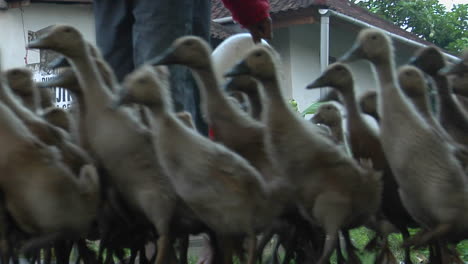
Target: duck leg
x,y
453,255
4,245
267,236
252,249
331,209
63,251
274,259
143,257
184,244
226,249
163,247
339,253
87,255
425,237
350,249
47,255
133,254
386,256
406,235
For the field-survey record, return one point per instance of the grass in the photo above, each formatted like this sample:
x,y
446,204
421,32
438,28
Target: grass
x,y
361,237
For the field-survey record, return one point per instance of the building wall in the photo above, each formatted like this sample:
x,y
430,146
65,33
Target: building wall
x,y
35,17
281,42
299,46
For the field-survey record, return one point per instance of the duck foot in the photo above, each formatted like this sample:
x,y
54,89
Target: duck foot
x,y
424,237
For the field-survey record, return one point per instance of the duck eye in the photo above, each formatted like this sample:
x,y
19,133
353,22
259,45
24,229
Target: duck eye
x,y
373,37
258,54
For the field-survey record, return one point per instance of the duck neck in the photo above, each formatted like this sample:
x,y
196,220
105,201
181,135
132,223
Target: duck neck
x,y
158,111
389,93
337,131
352,108
273,94
90,81
421,103
208,84
256,103
446,101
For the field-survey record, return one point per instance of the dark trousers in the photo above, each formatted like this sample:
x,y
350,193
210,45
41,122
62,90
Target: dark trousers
x,y
130,32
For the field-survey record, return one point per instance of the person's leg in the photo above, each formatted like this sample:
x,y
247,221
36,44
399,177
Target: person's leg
x,y
202,19
157,24
114,22
201,28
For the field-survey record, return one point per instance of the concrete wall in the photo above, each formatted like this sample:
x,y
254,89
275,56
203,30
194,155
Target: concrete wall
x,y
14,36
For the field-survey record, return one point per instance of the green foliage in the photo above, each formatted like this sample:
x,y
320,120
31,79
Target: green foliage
x,y
311,109
463,249
294,105
427,19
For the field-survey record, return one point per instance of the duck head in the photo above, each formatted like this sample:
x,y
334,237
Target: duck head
x,y
458,68
372,45
147,86
66,79
327,114
429,59
64,39
259,63
242,83
21,81
460,84
368,103
337,76
190,51
412,81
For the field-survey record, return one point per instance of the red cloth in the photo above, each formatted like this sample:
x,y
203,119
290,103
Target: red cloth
x,y
248,12
211,133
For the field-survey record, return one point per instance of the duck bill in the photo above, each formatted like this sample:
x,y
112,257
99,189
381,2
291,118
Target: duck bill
x,y
116,103
319,83
59,62
413,60
229,86
355,53
316,119
240,68
39,43
48,84
121,98
452,69
166,58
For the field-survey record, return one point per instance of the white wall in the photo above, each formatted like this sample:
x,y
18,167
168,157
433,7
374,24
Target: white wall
x,y
36,17
281,43
299,46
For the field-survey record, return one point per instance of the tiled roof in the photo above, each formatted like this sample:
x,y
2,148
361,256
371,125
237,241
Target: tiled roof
x,y
63,1
219,31
218,10
357,12
285,7
341,6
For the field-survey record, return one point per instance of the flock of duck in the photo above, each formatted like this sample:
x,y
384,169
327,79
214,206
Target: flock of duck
x,y
123,168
